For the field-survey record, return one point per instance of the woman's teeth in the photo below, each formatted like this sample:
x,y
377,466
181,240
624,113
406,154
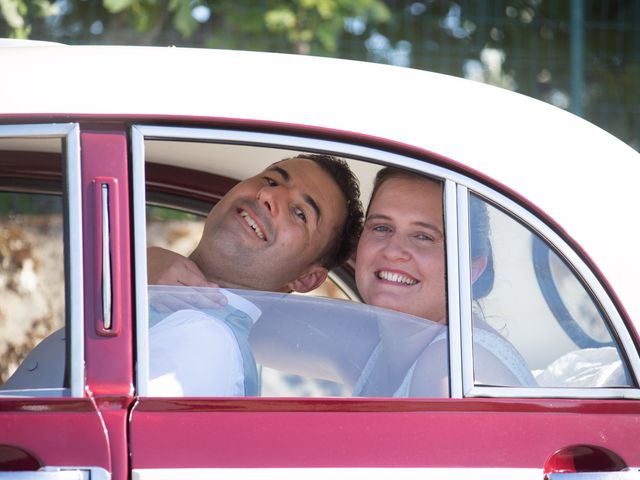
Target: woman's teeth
x,y
396,277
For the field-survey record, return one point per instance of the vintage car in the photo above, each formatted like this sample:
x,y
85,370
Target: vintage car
x,y
105,151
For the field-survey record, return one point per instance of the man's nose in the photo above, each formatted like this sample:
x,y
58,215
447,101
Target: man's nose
x,y
271,198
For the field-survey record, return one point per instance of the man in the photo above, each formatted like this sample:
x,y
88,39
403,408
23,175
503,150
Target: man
x,y
281,230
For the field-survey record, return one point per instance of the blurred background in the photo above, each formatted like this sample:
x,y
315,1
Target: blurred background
x,y
580,55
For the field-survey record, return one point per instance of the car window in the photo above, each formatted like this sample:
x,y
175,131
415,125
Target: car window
x,y
533,309
31,281
346,346
40,260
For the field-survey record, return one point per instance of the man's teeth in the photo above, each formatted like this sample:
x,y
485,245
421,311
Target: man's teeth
x,y
252,224
396,277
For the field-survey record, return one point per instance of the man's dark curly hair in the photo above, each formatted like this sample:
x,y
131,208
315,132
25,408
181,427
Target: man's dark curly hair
x,y
344,242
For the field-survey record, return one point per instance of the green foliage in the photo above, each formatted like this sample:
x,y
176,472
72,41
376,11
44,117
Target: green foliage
x,y
17,14
183,20
305,26
302,26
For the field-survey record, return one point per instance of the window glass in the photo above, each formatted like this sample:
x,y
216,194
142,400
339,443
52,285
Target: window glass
x,y
533,313
32,301
210,341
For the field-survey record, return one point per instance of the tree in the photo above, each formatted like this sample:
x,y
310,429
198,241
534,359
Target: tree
x,y
300,26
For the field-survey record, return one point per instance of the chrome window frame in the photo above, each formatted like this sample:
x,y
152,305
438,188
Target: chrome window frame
x,y
69,134
456,192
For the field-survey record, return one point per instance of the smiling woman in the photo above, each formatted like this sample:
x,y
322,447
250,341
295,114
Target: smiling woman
x,y
401,255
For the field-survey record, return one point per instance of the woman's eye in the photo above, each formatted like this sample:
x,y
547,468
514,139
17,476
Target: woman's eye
x,y
423,237
381,228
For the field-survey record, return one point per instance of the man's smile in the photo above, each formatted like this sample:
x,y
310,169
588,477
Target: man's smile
x,y
253,224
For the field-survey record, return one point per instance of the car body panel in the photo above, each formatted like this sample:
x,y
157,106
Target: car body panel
x,y
449,433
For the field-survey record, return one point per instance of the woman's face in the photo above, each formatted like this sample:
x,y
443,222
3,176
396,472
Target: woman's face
x,y
400,259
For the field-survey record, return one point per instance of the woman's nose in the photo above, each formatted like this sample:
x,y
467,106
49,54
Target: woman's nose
x,y
396,249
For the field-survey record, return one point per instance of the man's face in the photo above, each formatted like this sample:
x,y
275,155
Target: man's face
x,y
270,229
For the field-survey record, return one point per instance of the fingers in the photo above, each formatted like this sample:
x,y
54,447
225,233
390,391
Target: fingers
x,y
165,267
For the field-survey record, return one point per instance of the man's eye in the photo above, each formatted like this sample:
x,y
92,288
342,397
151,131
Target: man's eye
x,y
301,215
270,181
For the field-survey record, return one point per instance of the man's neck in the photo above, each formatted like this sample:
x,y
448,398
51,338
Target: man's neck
x,y
221,280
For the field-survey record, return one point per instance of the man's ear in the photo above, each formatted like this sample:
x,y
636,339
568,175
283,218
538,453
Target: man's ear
x,y
309,280
478,265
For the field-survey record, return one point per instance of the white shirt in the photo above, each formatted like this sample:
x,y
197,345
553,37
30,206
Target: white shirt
x,y
192,353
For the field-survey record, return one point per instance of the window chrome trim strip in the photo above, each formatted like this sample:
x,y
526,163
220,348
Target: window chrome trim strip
x,y
359,152
140,259
622,393
303,144
464,273
452,234
73,187
69,134
350,473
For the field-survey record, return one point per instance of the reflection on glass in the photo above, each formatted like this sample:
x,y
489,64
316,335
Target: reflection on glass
x,y
496,361
541,316
577,300
212,342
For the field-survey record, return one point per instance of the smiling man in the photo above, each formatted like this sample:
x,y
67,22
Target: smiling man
x,y
281,230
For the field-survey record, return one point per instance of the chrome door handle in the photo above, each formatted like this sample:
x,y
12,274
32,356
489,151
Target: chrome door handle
x,y
106,258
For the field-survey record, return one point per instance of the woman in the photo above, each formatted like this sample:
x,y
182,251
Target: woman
x,y
400,265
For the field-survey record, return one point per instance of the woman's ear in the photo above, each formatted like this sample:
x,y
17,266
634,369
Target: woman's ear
x,y
478,265
312,279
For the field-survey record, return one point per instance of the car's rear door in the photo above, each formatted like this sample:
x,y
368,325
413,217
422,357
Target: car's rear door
x,y
484,430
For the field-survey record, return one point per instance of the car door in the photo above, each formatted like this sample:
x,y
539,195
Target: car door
x,y
63,410
484,428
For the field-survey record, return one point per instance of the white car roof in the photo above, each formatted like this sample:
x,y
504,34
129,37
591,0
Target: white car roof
x,y
581,176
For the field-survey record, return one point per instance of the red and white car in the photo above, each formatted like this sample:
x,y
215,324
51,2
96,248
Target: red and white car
x,y
101,145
